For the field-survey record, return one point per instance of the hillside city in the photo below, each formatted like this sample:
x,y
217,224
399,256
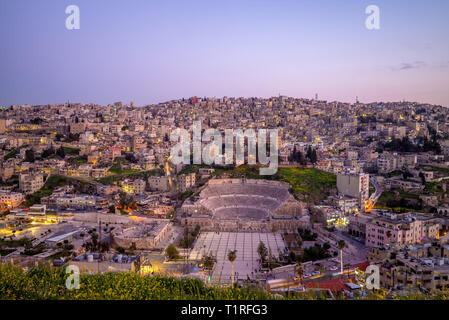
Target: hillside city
x,y
357,185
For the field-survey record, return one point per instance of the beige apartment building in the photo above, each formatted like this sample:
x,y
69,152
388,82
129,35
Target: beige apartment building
x,y
159,183
186,181
389,162
134,187
6,170
30,183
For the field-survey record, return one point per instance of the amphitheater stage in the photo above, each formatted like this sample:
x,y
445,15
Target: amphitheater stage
x,y
246,264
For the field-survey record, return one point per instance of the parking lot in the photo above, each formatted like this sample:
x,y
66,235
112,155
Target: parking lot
x,y
246,263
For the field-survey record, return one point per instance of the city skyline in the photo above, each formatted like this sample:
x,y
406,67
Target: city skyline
x,y
152,52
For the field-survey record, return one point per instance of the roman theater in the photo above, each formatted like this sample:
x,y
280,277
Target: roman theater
x,y
241,205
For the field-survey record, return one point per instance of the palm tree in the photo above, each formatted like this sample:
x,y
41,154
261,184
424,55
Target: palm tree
x,y
341,246
232,255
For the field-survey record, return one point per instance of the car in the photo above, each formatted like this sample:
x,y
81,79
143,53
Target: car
x,y
333,268
307,275
315,273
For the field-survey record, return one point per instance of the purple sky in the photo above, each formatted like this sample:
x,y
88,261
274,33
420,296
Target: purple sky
x,y
153,51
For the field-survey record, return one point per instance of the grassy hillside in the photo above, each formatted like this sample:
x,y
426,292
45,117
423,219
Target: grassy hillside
x,y
314,184
43,283
110,180
399,201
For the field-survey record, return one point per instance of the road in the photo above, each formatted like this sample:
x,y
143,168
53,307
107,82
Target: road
x,y
375,196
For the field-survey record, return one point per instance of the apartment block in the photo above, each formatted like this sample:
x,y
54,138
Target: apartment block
x,y
30,183
404,229
354,185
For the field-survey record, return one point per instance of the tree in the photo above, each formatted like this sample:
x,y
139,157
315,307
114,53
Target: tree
x,y
208,261
262,251
130,157
29,156
309,153
171,252
48,152
232,255
292,157
61,152
93,245
313,156
104,246
341,245
406,174
196,231
299,270
423,177
301,159
126,202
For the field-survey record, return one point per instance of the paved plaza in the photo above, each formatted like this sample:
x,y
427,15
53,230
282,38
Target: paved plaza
x,y
219,244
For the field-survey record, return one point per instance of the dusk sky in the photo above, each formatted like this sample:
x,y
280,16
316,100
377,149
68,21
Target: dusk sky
x,y
152,51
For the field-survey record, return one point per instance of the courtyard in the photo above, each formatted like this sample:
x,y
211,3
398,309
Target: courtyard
x,y
246,264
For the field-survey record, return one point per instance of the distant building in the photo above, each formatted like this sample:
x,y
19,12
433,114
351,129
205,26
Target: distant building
x,y
354,185
143,236
425,265
159,183
134,187
2,126
388,162
53,241
77,128
114,152
38,210
30,183
345,204
72,202
6,170
404,229
10,199
186,181
94,263
138,143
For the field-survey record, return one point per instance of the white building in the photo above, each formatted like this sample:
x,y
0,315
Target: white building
x,y
354,185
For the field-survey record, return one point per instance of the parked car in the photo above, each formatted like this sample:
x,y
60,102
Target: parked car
x,y
315,273
307,275
333,268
